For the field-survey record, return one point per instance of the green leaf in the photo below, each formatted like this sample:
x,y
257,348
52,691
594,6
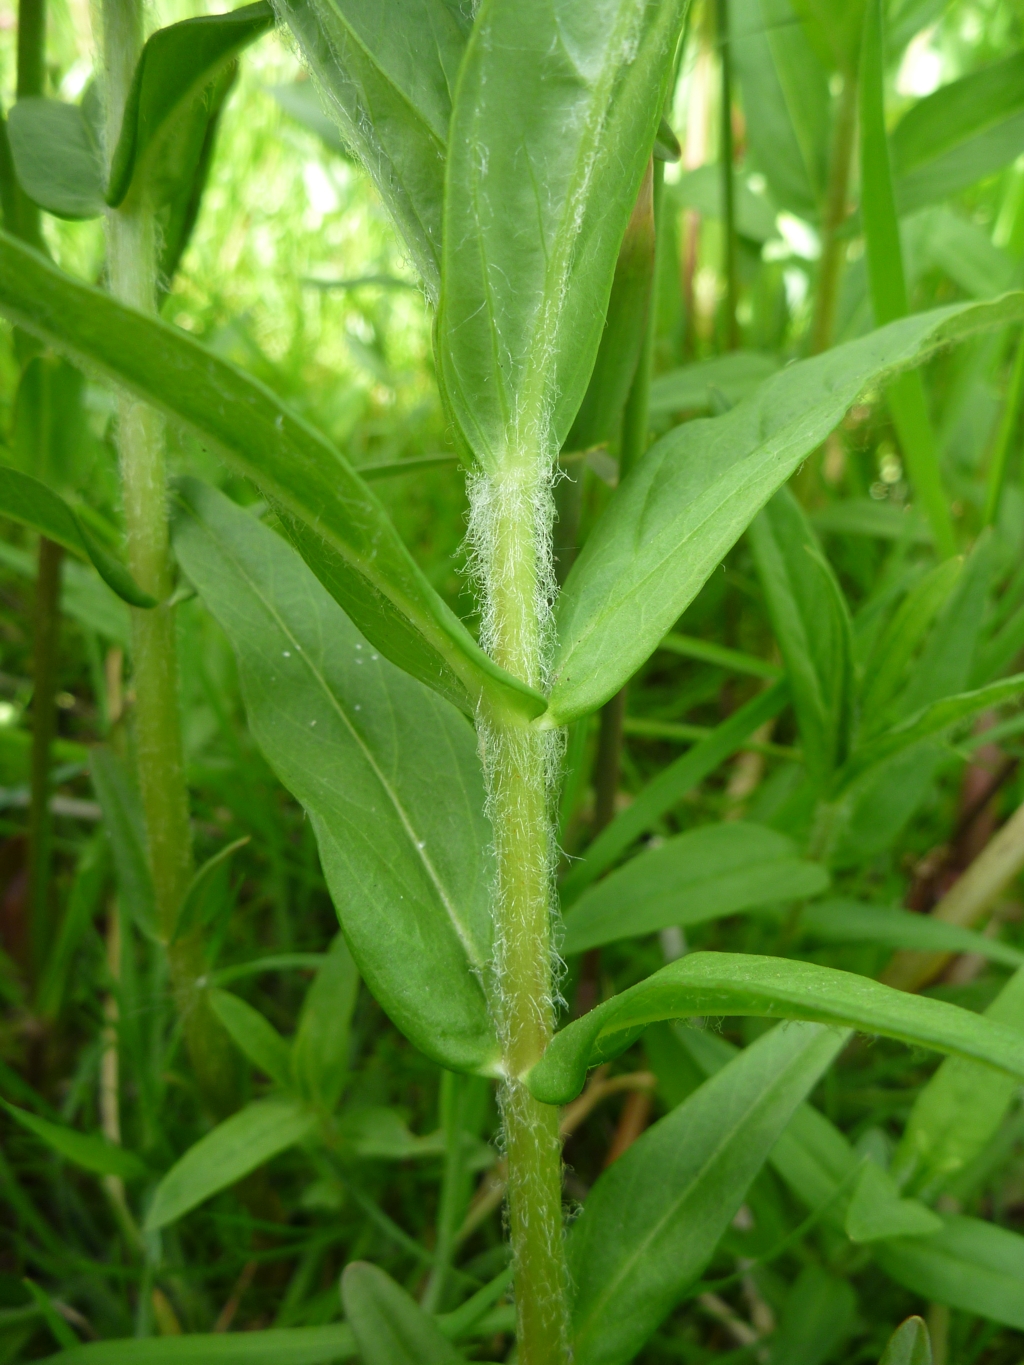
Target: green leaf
x,y
57,156
785,83
388,71
557,109
388,772
301,101
931,720
671,785
235,1147
970,1265
736,375
895,648
834,31
851,921
122,819
338,524
654,1218
26,500
376,1133
320,1052
703,874
906,395
701,189
963,132
90,1151
390,1327
908,1345
812,628
693,494
273,1346
745,984
599,419
193,903
876,1210
254,1036
960,1109
165,117
816,1317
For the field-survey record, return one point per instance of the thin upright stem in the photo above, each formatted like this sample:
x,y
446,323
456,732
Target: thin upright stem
x,y
1004,437
132,276
46,632
725,157
512,513
837,207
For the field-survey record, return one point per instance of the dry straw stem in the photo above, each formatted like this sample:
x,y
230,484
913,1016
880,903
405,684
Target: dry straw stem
x,y
965,903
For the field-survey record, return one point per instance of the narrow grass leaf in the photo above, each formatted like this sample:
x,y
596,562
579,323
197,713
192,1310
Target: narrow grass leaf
x,y
816,1317
122,819
273,1346
745,984
844,920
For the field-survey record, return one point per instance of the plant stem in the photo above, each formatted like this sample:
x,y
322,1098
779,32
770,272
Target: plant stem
x,y
512,522
1007,424
725,157
833,246
46,630
132,272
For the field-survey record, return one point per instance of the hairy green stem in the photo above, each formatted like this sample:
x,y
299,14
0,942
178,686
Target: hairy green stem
x,y
512,529
833,245
132,276
46,631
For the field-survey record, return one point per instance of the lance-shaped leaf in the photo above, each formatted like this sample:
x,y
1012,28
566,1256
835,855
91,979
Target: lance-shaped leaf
x,y
320,1052
255,1036
235,1147
174,69
697,876
908,1345
690,498
57,156
555,118
122,818
387,770
390,1327
970,1265
27,500
652,1221
388,71
964,131
341,528
91,1151
742,984
812,627
275,1346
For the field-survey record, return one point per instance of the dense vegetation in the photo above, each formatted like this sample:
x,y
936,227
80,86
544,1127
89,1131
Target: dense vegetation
x,y
639,382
